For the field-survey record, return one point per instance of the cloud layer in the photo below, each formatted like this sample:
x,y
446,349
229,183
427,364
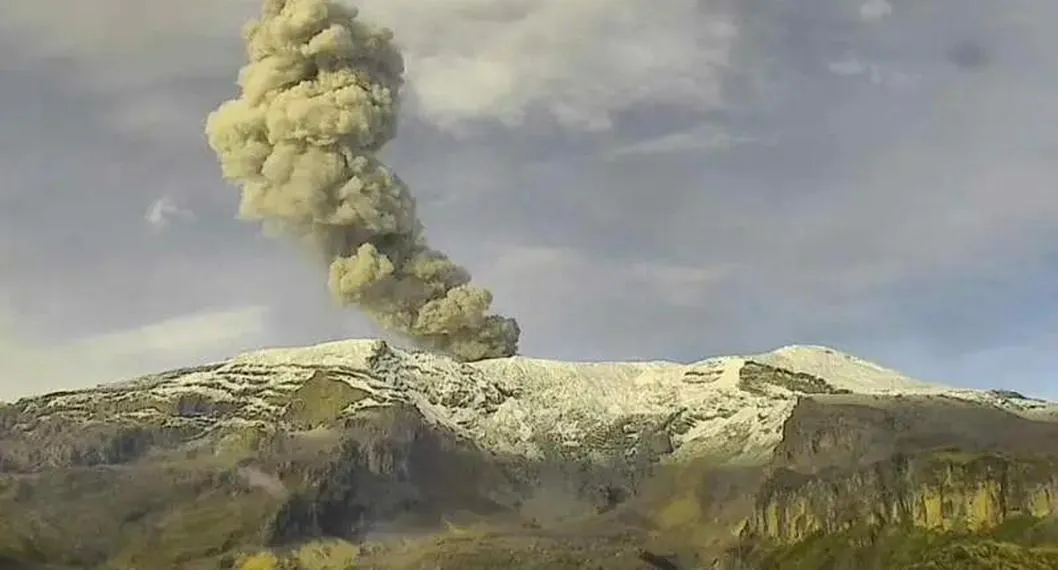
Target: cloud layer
x,y
28,368
705,176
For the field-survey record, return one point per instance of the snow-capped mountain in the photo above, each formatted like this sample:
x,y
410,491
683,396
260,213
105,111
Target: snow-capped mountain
x,y
733,406
364,442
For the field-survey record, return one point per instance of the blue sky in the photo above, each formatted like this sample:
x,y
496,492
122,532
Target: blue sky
x,y
632,180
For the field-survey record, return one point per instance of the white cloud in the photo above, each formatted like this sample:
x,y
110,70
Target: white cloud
x,y
28,368
580,61
847,66
182,335
560,277
705,137
872,10
886,76
164,211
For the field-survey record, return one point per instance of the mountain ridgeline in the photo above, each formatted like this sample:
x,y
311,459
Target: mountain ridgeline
x,y
359,455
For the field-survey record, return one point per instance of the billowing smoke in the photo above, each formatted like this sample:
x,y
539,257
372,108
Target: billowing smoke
x,y
319,100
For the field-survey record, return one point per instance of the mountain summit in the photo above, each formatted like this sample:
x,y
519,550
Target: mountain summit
x,y
732,460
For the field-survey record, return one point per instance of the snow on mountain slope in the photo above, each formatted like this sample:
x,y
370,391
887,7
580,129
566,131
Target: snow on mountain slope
x,y
730,406
846,371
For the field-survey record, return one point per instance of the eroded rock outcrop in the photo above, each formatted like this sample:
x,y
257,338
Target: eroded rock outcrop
x,y
489,463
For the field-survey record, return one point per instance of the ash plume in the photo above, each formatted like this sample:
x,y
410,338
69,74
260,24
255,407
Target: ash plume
x,y
319,100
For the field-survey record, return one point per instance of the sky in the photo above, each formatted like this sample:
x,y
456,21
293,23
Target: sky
x,y
666,180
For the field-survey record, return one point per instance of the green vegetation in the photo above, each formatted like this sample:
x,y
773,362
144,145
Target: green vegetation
x,y
121,518
557,550
320,401
906,548
316,555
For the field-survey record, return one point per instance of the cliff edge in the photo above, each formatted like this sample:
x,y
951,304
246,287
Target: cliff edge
x,y
409,459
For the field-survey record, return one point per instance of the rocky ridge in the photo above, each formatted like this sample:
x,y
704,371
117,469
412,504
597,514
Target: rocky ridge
x,y
358,439
731,405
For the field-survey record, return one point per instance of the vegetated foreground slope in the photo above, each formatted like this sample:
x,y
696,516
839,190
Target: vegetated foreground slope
x,y
799,458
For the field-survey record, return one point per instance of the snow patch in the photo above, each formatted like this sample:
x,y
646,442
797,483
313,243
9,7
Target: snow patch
x,y
519,405
846,371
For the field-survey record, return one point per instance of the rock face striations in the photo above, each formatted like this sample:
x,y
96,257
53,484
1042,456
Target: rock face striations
x,y
799,458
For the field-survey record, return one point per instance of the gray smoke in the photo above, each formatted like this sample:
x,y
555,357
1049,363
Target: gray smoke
x,y
319,100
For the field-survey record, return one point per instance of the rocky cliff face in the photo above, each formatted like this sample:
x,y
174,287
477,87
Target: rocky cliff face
x,y
931,461
948,491
730,461
909,473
